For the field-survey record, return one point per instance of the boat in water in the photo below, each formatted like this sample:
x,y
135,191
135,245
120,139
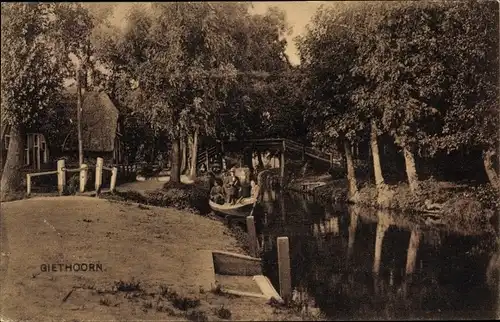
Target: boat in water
x,y
242,208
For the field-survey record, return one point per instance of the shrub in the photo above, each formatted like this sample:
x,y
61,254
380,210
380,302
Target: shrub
x,y
197,315
222,313
181,196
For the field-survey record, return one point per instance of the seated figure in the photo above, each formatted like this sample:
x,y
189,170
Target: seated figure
x,y
217,193
255,192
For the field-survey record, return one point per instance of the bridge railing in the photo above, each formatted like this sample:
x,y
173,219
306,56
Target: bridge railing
x,y
204,157
327,157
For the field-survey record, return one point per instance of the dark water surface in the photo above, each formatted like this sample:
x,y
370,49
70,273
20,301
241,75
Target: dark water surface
x,y
355,263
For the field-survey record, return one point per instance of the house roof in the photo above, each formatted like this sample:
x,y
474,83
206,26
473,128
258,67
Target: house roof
x,y
99,122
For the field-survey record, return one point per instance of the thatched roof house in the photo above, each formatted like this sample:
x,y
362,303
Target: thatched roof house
x,y
58,133
101,130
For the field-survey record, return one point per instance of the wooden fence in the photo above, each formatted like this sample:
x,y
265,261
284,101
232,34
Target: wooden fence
x,y
126,171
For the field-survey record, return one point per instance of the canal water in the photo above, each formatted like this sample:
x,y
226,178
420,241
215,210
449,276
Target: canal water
x,y
353,263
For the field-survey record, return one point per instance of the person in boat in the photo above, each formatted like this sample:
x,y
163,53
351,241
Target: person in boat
x,y
255,191
217,193
233,188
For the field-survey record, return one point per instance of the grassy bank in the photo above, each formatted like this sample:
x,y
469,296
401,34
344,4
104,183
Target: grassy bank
x,y
149,257
465,208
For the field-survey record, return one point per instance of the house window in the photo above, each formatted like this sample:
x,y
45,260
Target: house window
x,y
44,151
6,142
29,144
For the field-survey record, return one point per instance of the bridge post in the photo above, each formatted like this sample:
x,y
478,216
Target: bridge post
x,y
285,276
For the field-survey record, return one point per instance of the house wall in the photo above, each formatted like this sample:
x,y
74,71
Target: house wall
x,y
35,148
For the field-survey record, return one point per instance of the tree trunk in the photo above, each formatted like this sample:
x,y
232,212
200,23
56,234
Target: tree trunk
x,y
187,153
79,115
411,170
175,171
11,175
377,169
382,226
184,149
490,170
259,159
194,154
351,174
411,256
353,225
384,195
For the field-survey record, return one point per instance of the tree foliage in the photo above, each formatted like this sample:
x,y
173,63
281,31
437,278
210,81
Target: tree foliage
x,y
31,75
426,72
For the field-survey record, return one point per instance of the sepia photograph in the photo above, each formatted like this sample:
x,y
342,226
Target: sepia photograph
x,y
250,161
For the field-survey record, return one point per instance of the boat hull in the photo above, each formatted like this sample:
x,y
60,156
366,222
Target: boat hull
x,y
238,210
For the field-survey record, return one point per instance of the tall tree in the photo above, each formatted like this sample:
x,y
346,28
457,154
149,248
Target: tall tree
x,y
30,79
469,117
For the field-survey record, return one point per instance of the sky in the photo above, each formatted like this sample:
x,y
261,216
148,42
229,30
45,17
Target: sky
x,y
298,15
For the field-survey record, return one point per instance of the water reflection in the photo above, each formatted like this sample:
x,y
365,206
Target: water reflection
x,y
354,263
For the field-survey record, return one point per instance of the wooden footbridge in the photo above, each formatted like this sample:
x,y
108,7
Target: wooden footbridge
x,y
279,146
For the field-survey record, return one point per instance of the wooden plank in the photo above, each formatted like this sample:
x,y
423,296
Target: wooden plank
x,y
36,174
242,293
267,288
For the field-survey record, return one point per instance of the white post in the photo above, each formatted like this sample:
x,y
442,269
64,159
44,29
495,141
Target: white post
x,y
98,174
285,276
28,184
61,176
83,176
114,174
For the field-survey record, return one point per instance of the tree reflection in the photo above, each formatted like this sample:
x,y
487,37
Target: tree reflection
x,y
353,225
412,251
383,224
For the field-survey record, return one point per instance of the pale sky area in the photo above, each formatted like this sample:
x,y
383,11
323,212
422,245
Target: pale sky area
x,y
298,14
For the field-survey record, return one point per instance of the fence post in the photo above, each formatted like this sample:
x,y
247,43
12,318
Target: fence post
x,y
285,275
114,174
252,236
28,184
61,176
98,174
83,176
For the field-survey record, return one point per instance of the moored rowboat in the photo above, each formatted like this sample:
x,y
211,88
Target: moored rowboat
x,y
241,209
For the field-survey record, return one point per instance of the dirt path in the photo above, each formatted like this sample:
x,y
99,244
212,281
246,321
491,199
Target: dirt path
x,y
140,186
148,185
156,247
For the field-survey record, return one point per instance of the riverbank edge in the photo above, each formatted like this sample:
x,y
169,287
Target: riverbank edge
x,y
464,208
235,232
273,309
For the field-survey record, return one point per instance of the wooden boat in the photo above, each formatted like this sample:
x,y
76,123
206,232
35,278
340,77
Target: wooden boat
x,y
242,208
